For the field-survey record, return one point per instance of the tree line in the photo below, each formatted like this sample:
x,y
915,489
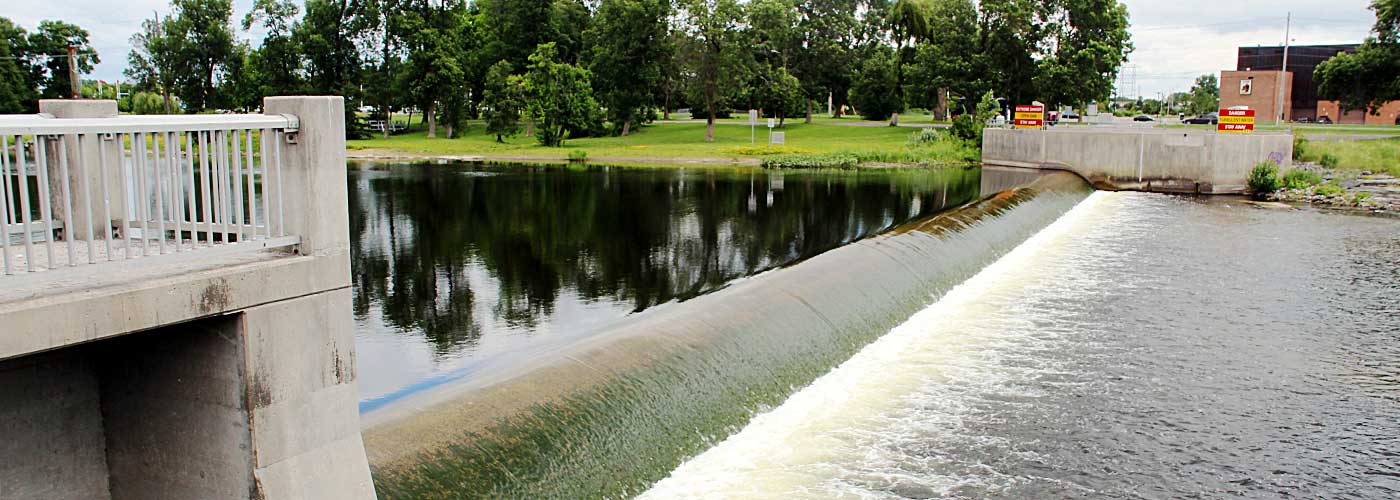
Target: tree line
x,y
1370,77
571,68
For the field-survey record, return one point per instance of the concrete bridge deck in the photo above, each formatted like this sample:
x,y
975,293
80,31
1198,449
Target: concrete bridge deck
x,y
1142,159
220,367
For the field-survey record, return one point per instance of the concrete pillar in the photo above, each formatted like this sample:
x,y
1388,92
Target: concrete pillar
x,y
77,182
301,352
313,174
305,415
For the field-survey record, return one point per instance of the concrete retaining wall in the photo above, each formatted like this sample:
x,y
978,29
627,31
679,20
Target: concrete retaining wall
x,y
1189,161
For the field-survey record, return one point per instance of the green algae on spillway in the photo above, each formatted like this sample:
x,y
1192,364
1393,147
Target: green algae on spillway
x,y
609,416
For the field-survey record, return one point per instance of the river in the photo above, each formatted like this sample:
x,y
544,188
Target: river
x,y
865,335
1143,346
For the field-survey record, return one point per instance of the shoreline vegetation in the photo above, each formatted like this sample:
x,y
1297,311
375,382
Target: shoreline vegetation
x,y
822,144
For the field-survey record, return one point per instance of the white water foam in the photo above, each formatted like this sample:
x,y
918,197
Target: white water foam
x,y
840,436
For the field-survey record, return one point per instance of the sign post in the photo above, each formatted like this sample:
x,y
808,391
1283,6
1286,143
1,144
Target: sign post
x,y
1236,121
1029,116
753,122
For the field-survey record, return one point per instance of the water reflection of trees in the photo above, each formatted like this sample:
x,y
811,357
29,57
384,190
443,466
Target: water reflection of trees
x,y
422,236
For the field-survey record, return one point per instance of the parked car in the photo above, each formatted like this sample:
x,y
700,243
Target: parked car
x,y
1142,118
1324,120
1070,117
1205,119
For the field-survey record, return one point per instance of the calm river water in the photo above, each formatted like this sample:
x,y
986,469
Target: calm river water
x,y
462,262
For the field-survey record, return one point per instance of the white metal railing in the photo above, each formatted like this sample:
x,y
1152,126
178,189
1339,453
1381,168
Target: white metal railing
x,y
139,186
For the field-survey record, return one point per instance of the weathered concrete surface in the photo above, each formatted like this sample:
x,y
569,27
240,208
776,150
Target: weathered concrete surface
x,y
51,436
1182,161
211,374
174,408
301,362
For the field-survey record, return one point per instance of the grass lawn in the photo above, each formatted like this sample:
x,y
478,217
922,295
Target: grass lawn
x,y
1379,155
667,140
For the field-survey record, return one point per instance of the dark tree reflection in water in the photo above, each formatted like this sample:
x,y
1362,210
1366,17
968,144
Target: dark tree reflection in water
x,y
464,255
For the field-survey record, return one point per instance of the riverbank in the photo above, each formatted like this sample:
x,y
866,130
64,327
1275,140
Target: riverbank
x,y
676,144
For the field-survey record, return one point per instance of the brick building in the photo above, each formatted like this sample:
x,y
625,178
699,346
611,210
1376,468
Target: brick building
x,y
1254,83
1259,91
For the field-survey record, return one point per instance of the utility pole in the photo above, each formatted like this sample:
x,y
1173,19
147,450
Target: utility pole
x,y
73,81
1283,70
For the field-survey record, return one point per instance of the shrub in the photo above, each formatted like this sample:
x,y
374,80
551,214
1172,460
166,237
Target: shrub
x,y
1329,190
925,136
1360,197
1300,148
578,155
969,126
1328,160
1300,179
1263,178
830,160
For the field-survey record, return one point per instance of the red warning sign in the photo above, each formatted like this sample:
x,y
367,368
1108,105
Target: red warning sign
x,y
1029,116
1236,121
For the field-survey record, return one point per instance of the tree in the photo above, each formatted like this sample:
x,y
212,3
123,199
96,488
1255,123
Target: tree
x,y
875,91
826,59
943,60
275,67
777,93
1089,42
503,101
433,71
47,48
627,44
201,34
16,80
147,103
559,97
713,54
1205,95
1370,77
151,62
328,37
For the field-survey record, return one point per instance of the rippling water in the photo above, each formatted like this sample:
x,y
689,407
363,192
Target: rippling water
x,y
1143,346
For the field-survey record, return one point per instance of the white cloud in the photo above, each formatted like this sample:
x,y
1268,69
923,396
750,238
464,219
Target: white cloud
x,y
1179,40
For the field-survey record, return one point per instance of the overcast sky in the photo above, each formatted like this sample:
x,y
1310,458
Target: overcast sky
x,y
1176,40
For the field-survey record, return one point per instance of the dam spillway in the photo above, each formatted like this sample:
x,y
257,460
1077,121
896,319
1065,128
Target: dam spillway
x,y
698,380
605,415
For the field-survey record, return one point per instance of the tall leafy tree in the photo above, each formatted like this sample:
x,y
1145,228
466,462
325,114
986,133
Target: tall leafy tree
x,y
329,37
944,59
713,53
202,35
151,62
827,58
1370,77
1205,95
433,72
503,101
16,79
875,92
275,67
627,50
1089,42
559,97
47,48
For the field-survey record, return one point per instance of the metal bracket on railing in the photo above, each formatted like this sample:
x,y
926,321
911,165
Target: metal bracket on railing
x,y
293,125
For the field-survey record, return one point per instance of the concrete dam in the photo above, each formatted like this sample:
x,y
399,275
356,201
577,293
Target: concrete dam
x,y
1157,160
